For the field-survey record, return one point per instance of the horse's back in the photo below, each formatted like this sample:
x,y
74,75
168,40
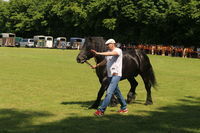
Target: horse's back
x,y
134,62
145,67
130,64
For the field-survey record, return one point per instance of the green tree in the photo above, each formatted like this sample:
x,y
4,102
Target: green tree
x,y
71,15
26,17
167,22
3,14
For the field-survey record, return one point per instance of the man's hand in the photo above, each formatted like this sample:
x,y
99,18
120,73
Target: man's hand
x,y
93,51
93,66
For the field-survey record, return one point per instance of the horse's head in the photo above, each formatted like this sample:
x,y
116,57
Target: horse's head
x,y
96,43
84,55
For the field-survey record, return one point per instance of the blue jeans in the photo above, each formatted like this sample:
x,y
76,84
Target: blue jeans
x,y
113,89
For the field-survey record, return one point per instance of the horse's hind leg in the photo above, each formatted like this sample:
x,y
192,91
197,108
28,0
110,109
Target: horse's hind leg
x,y
148,89
132,94
114,101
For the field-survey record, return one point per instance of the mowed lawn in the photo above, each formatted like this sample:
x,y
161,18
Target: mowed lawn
x,y
47,91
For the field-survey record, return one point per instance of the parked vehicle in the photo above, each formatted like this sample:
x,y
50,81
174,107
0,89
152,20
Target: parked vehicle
x,y
60,42
48,41
17,41
27,42
77,42
198,52
1,40
39,41
68,45
7,39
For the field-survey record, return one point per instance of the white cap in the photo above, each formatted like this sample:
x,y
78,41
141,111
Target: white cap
x,y
110,41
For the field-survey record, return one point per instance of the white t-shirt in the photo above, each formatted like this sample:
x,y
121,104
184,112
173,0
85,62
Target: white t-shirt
x,y
114,63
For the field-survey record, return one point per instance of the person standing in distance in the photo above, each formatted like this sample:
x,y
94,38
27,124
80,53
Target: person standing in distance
x,y
113,63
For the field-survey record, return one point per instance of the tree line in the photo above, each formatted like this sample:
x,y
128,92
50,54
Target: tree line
x,y
170,22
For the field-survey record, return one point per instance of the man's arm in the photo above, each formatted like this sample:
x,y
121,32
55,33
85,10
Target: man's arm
x,y
99,64
112,53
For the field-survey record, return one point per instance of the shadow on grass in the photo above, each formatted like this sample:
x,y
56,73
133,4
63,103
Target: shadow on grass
x,y
12,120
181,118
86,104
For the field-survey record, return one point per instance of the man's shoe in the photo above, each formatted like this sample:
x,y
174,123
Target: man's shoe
x,y
98,113
123,111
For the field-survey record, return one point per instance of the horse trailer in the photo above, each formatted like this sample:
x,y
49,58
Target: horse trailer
x,y
77,42
1,40
7,39
39,41
198,52
48,41
60,42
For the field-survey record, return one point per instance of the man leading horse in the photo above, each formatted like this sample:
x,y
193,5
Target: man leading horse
x,y
135,62
113,63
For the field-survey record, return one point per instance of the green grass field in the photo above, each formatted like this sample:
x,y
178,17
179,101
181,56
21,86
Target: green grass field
x,y
47,91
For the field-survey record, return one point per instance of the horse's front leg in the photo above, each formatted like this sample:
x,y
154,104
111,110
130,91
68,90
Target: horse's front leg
x,y
104,86
95,105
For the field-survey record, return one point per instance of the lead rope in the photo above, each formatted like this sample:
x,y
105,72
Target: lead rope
x,y
89,64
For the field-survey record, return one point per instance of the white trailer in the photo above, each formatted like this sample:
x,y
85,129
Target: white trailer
x,y
48,41
39,41
60,42
7,39
77,42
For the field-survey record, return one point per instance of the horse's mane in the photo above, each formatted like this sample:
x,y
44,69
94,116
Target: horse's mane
x,y
96,43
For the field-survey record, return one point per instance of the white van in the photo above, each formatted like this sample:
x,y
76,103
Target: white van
x,y
27,42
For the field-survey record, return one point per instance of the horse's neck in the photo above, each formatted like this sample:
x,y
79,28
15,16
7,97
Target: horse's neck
x,y
99,59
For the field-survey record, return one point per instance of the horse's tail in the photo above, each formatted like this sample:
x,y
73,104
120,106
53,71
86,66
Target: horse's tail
x,y
146,69
151,77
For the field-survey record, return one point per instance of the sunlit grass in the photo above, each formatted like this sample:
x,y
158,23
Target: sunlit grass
x,y
46,90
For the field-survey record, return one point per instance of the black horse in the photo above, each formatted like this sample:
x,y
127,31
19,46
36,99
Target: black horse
x,y
134,62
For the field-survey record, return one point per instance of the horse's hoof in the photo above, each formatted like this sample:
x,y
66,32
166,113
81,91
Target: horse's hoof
x,y
93,107
148,103
128,101
113,104
131,97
